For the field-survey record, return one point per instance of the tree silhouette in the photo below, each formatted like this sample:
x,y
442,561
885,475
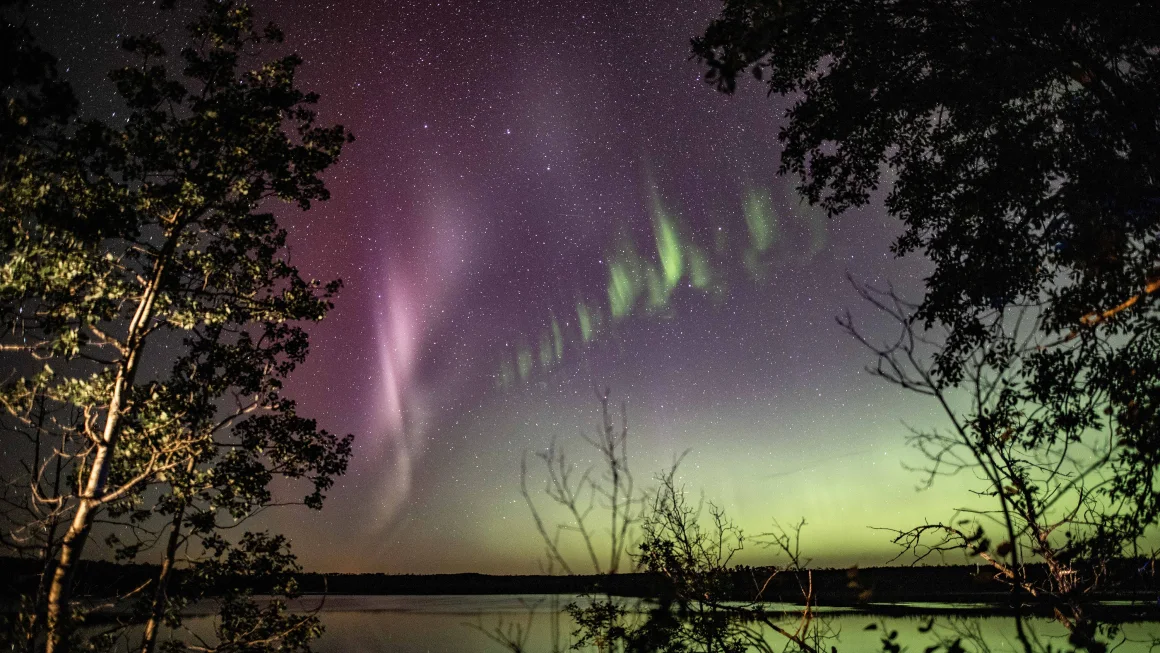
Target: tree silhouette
x,y
1017,142
661,532
1046,500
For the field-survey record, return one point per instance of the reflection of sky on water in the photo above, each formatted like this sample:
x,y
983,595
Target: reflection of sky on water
x,y
451,624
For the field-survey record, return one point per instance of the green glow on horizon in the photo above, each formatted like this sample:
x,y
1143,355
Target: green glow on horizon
x,y
848,491
622,289
658,291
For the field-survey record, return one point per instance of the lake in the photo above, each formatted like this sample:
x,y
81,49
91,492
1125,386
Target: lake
x,y
454,624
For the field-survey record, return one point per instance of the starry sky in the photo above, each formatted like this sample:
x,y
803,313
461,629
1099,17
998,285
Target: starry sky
x,y
544,198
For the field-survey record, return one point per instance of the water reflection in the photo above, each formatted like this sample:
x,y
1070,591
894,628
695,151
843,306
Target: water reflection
x,y
446,624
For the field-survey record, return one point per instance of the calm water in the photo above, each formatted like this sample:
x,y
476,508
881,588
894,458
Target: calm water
x,y
452,624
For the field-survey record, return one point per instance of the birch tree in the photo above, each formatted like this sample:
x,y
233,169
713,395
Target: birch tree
x,y
131,245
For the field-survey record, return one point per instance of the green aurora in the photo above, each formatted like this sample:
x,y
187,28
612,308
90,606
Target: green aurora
x,y
643,285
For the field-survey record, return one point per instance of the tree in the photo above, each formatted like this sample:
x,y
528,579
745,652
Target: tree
x,y
1044,499
604,493
694,560
1018,145
1023,138
38,107
150,233
606,488
226,479
660,531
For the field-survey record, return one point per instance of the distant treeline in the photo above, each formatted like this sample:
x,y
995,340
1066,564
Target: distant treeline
x,y
831,587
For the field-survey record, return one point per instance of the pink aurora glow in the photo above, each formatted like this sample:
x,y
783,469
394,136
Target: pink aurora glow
x,y
424,275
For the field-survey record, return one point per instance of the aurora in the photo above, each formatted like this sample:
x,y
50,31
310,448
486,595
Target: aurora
x,y
542,202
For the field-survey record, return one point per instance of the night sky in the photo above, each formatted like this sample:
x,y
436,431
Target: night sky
x,y
544,197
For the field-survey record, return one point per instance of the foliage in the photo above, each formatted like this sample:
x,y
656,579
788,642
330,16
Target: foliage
x,y
1045,498
230,575
149,308
1017,142
1021,138
1019,145
38,106
601,624
36,111
661,530
695,563
695,560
